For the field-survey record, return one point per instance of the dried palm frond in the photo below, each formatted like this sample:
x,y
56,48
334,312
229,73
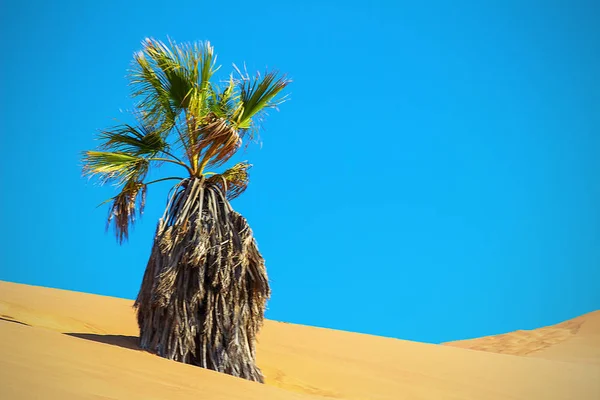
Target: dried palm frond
x,y
205,288
125,207
217,142
232,182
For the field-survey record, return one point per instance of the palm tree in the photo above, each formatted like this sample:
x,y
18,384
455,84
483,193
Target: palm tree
x,y
203,294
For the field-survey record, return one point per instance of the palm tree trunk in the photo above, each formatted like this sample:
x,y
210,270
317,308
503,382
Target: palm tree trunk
x,y
203,294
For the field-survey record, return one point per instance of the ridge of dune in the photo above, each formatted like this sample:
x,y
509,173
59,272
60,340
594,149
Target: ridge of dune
x,y
57,344
575,340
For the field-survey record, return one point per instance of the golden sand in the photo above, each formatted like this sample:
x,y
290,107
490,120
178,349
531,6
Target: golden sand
x,y
61,345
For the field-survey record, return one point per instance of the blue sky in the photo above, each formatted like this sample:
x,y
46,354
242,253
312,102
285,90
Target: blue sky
x,y
435,175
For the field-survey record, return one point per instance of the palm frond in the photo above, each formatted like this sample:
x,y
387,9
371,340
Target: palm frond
x,y
134,140
174,71
233,181
208,66
257,94
174,79
222,103
151,89
173,64
116,167
218,142
205,288
125,207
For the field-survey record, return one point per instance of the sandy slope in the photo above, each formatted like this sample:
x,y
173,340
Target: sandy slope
x,y
58,344
576,340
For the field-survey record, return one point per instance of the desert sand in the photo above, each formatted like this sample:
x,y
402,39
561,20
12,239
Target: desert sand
x,y
576,340
60,345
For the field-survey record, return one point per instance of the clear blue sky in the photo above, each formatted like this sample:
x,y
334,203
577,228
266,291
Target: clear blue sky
x,y
435,175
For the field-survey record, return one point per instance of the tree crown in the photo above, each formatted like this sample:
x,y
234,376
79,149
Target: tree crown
x,y
182,117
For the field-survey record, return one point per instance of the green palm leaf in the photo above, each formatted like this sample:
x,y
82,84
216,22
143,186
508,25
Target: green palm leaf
x,y
134,140
223,103
151,89
119,168
257,94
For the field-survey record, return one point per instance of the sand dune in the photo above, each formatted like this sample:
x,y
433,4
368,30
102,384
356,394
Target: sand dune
x,y
576,340
57,344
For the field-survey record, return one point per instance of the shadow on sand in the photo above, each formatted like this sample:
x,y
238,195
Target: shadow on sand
x,y
10,319
128,342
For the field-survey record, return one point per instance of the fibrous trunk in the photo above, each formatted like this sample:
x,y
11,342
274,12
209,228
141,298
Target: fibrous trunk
x,y
203,294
